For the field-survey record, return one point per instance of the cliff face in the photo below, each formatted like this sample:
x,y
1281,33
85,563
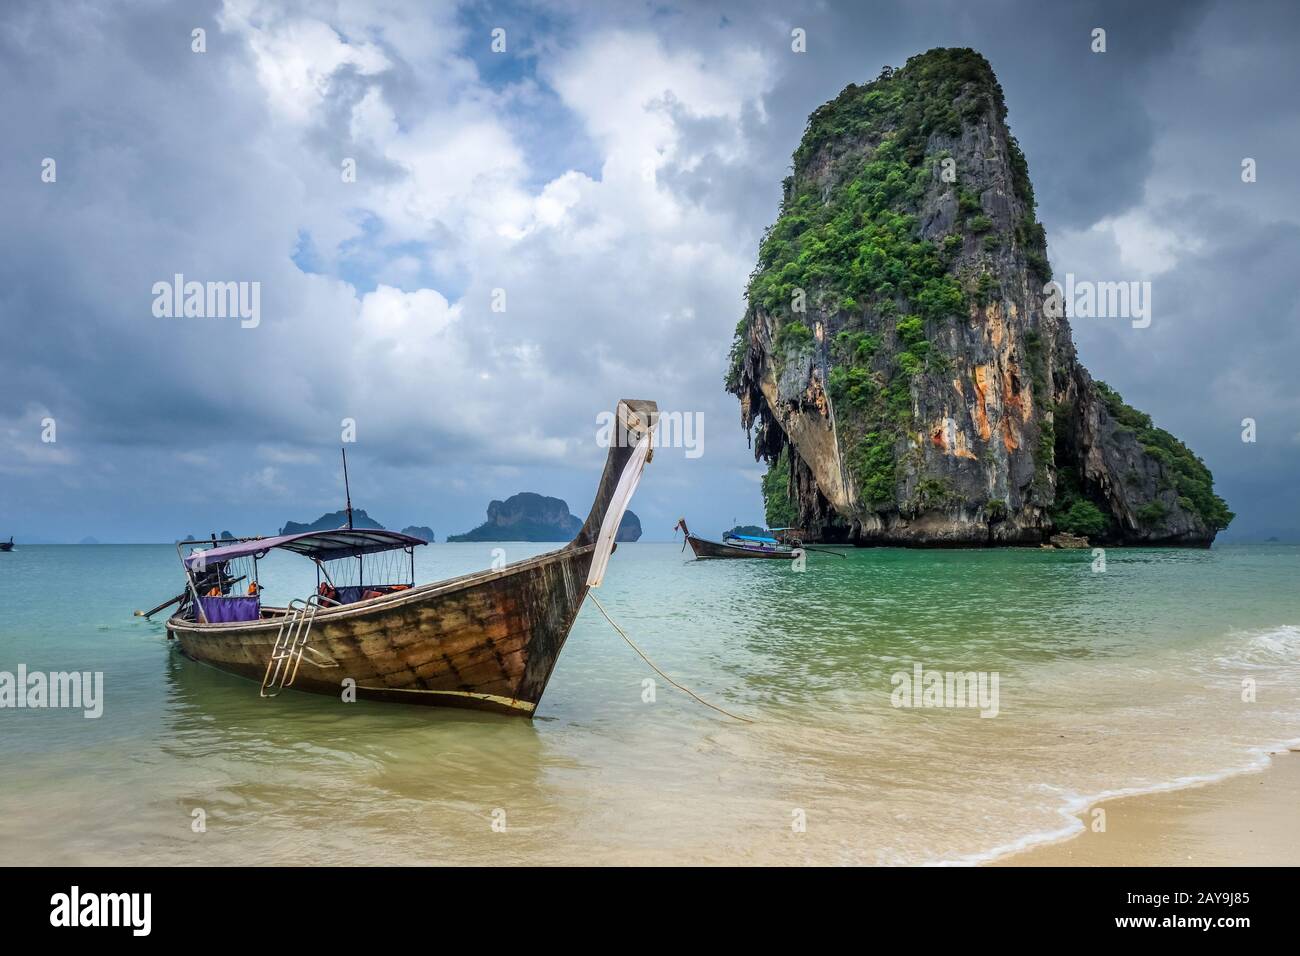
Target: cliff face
x,y
907,382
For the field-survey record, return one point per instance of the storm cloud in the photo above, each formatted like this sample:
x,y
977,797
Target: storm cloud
x,y
535,233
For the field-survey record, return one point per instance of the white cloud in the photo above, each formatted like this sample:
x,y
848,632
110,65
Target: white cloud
x,y
624,85
297,57
1133,246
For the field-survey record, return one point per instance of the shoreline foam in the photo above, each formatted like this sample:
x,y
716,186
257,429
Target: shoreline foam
x,y
1154,809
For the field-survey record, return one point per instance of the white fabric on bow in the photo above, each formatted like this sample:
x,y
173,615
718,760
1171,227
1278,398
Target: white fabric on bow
x,y
627,483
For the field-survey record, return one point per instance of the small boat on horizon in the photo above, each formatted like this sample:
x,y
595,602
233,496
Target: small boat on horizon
x,y
7,545
742,545
488,640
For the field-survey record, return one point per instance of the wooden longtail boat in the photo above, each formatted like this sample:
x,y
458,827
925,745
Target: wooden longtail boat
x,y
737,546
487,640
7,545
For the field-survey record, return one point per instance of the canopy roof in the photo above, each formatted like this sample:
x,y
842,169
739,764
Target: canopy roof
x,y
750,537
317,545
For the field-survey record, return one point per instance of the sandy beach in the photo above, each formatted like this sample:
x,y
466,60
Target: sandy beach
x,y
1247,820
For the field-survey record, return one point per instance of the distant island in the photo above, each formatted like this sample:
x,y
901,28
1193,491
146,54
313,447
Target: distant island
x,y
532,517
224,536
332,521
339,519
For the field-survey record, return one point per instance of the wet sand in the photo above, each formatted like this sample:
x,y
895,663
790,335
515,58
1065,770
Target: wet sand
x,y
1248,820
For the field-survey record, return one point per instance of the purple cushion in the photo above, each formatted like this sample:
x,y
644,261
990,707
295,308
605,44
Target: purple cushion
x,y
227,610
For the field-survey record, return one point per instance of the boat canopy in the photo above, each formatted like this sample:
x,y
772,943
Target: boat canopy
x,y
750,537
317,545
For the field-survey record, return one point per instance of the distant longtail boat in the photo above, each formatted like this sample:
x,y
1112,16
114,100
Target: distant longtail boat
x,y
739,545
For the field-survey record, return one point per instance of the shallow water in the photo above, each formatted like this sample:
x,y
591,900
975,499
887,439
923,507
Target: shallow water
x,y
1108,682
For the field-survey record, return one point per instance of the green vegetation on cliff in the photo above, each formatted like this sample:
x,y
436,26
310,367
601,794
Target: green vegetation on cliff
x,y
860,242
1192,480
1082,518
872,464
856,247
847,242
923,97
1073,511
896,302
778,510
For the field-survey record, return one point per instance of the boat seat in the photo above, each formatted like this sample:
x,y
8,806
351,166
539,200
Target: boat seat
x,y
228,610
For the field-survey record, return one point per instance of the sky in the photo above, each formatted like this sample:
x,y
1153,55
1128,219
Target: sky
x,y
535,231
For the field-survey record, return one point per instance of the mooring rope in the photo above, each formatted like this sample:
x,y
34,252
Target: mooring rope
x,y
655,667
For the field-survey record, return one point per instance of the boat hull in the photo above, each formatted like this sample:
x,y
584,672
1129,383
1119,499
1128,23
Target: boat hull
x,y
714,549
487,641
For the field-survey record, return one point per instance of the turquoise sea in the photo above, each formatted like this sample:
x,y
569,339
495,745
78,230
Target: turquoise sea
x,y
1127,679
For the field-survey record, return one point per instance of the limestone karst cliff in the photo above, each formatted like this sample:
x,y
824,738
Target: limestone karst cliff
x,y
902,376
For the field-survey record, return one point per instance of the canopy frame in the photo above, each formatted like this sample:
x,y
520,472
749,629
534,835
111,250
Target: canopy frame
x,y
317,546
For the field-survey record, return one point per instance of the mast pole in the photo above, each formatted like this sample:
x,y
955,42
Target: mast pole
x,y
346,489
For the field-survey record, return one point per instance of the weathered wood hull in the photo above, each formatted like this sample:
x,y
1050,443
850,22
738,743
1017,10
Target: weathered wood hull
x,y
488,640
714,549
